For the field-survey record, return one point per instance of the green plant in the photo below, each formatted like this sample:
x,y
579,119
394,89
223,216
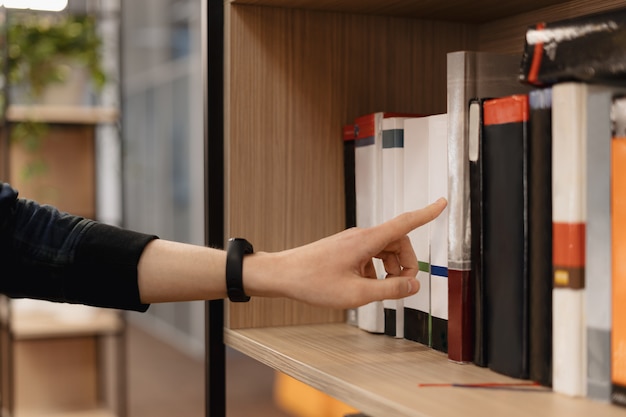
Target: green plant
x,y
39,48
38,52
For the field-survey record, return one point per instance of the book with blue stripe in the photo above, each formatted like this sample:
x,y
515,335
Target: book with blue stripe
x,y
438,230
417,306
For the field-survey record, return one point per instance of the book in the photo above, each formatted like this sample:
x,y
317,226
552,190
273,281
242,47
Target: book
x,y
470,74
540,235
417,306
505,233
599,103
476,292
587,48
392,177
618,253
438,230
368,151
367,168
568,248
348,137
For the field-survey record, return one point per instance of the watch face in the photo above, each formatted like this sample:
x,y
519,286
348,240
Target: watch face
x,y
247,246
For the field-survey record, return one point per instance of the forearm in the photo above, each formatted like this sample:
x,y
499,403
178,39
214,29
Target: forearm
x,y
329,272
173,271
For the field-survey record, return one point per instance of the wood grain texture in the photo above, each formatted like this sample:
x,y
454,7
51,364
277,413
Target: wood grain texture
x,y
451,10
67,156
381,375
63,114
37,325
294,78
55,375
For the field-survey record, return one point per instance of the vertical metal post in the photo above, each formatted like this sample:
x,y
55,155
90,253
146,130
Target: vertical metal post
x,y
213,75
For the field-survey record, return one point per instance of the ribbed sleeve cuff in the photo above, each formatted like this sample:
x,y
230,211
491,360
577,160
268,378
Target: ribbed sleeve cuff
x,y
104,272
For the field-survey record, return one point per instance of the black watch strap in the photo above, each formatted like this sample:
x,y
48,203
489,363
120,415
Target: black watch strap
x,y
237,248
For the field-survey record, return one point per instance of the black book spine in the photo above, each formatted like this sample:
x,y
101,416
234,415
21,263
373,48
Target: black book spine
x,y
505,233
475,129
540,234
349,175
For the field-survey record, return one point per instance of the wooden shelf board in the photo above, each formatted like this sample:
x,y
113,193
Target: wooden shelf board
x,y
63,114
456,10
381,375
96,412
39,325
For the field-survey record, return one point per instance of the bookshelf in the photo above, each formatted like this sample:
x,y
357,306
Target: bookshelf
x,y
67,153
61,359
294,72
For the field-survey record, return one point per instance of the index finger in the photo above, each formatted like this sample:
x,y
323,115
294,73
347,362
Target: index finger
x,y
404,223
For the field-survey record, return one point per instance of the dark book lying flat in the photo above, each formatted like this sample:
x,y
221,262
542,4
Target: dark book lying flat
x,y
588,48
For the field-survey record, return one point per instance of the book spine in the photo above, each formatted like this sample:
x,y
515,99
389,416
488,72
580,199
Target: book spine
x,y
348,137
568,238
598,239
368,160
461,82
505,231
618,254
540,235
393,198
417,306
477,292
438,187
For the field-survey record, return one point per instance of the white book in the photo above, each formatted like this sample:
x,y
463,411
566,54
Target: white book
x,y
393,204
569,185
417,306
581,135
438,230
367,168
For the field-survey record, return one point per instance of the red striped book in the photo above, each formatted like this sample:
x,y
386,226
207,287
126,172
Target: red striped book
x,y
568,237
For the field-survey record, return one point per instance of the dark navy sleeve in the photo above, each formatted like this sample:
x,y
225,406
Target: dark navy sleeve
x,y
51,255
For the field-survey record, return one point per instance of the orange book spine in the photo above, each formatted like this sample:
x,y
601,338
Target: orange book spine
x,y
618,240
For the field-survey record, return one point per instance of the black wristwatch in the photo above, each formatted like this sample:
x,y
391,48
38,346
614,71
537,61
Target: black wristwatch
x,y
237,248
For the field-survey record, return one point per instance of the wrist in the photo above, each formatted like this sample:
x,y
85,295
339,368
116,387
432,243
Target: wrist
x,y
260,276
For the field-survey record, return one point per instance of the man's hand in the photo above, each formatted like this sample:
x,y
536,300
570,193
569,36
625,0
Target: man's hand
x,y
337,271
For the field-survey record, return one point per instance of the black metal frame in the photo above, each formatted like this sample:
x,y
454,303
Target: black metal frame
x,y
213,75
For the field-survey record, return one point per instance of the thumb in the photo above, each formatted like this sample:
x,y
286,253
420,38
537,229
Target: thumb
x,y
390,288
